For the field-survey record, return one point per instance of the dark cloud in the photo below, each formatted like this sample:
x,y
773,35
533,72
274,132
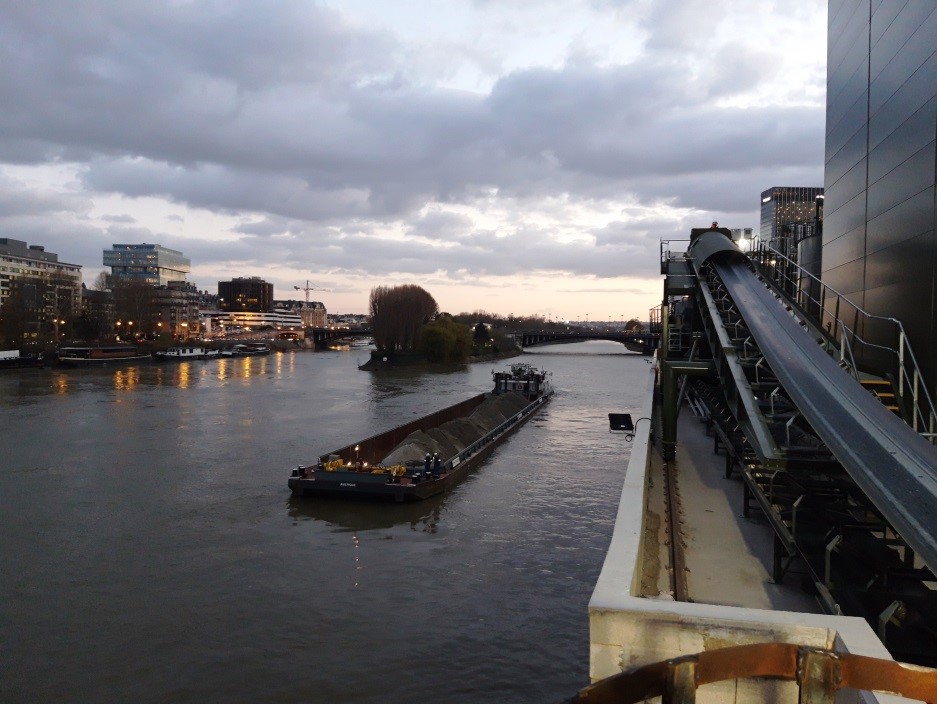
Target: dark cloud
x,y
316,134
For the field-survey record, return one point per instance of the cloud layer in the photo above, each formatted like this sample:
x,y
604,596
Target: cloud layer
x,y
302,141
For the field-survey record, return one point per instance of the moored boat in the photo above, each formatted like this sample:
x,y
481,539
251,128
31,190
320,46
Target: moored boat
x,y
246,350
14,359
89,356
181,354
428,456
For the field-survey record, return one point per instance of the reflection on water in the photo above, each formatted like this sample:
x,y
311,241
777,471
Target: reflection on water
x,y
357,516
127,379
170,501
184,375
60,383
247,367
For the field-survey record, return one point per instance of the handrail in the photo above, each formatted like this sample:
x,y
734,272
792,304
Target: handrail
x,y
666,254
819,674
863,336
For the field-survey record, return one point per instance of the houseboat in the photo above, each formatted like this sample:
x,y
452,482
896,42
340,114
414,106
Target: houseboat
x,y
182,354
247,350
90,356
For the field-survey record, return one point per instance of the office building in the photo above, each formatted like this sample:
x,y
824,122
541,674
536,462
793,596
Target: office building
x,y
151,264
245,295
879,239
784,206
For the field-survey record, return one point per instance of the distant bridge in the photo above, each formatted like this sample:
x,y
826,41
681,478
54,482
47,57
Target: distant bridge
x,y
635,340
321,337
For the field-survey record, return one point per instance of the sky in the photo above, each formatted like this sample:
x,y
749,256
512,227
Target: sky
x,y
519,157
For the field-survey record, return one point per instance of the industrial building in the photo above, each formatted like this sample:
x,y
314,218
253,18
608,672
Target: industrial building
x,y
879,235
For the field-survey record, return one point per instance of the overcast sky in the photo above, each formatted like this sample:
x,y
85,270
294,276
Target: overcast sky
x,y
520,156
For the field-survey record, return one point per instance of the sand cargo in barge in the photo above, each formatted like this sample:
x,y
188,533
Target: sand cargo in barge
x,y
428,456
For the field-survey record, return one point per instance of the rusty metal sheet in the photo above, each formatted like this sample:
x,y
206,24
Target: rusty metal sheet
x,y
819,673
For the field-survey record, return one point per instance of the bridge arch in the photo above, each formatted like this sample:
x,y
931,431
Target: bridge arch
x,y
636,340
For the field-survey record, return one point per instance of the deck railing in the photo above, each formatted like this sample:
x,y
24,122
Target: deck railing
x,y
819,675
863,341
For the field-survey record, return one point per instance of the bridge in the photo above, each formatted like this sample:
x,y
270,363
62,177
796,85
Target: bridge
x,y
322,336
635,340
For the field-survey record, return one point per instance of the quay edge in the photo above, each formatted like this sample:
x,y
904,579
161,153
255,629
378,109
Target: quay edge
x,y
629,628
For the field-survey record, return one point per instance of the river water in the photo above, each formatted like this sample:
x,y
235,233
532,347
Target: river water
x,y
152,552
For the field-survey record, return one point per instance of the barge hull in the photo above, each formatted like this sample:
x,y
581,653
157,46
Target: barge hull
x,y
350,484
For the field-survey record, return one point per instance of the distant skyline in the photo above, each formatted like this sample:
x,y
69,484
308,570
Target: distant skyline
x,y
521,157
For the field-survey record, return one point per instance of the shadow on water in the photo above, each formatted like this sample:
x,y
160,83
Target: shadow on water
x,y
356,515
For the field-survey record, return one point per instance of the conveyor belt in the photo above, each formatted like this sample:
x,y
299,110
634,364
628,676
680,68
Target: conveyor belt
x,y
895,466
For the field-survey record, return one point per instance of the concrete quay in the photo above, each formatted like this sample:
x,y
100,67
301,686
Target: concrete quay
x,y
634,618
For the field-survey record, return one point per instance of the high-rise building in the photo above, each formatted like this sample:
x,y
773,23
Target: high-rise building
x,y
880,231
49,291
151,264
245,294
782,206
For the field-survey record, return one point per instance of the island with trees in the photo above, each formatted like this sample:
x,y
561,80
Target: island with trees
x,y
409,329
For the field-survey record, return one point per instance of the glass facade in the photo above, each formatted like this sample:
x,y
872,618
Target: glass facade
x,y
879,238
781,206
150,263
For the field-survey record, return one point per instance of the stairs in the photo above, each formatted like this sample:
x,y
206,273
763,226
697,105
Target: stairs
x,y
883,390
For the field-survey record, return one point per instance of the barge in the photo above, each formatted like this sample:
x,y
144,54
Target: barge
x,y
430,455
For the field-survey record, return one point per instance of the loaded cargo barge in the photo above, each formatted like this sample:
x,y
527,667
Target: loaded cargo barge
x,y
430,455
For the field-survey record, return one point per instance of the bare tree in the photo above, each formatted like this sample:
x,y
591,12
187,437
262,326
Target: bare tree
x,y
101,282
397,314
134,304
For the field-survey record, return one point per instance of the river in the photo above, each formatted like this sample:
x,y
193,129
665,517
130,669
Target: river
x,y
152,552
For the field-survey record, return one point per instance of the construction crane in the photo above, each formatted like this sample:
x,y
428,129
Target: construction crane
x,y
307,288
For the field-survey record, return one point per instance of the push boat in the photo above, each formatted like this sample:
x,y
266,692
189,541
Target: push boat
x,y
248,350
90,356
181,354
392,465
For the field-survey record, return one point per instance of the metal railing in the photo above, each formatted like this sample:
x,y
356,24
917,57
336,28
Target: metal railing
x,y
819,675
864,342
671,249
